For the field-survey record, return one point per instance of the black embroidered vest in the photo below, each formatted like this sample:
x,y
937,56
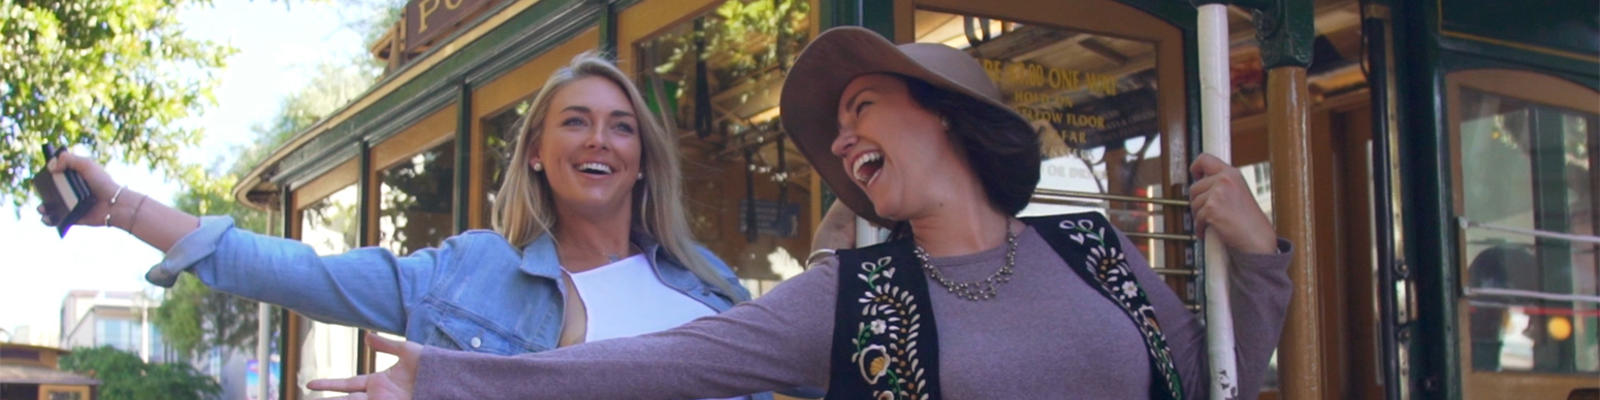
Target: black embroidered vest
x,y
885,341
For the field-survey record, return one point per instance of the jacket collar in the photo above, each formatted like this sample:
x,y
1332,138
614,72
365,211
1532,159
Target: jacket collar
x,y
539,257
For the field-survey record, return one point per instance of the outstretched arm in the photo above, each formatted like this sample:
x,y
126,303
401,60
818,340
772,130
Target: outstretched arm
x,y
778,341
154,223
369,287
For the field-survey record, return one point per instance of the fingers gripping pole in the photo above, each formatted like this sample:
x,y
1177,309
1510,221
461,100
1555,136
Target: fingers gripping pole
x,y
1215,125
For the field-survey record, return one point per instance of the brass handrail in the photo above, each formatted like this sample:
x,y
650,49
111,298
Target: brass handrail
x,y
1176,271
1162,236
1111,197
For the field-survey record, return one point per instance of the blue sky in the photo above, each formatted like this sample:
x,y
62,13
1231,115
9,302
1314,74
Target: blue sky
x,y
279,49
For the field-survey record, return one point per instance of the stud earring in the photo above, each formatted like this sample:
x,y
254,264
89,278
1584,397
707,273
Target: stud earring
x,y
641,176
944,122
538,166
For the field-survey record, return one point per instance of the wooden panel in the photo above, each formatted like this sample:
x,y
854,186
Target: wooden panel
x,y
1300,355
1353,130
643,20
436,128
476,170
46,390
337,178
1330,204
523,82
1511,385
1523,85
904,25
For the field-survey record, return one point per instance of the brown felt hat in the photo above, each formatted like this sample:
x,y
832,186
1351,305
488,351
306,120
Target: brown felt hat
x,y
810,101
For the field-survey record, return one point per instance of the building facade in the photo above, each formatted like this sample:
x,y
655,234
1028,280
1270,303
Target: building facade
x,y
30,372
95,318
1439,133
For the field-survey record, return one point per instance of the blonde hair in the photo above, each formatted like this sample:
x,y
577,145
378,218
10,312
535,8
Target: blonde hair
x,y
525,210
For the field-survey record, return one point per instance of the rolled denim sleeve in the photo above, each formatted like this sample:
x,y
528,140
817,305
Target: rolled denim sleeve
x,y
368,287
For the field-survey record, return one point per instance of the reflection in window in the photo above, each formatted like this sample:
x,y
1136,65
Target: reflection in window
x,y
1093,100
416,199
715,80
1528,166
499,133
329,226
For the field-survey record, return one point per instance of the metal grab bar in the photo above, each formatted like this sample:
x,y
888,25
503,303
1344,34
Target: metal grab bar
x,y
1063,197
1176,271
1531,294
1110,197
1467,223
1162,236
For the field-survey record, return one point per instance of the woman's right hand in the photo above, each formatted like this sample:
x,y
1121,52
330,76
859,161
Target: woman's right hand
x,y
100,183
396,383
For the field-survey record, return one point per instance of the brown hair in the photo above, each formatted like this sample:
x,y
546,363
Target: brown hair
x,y
1003,150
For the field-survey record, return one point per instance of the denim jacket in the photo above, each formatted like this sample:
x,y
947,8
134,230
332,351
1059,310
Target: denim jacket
x,y
475,292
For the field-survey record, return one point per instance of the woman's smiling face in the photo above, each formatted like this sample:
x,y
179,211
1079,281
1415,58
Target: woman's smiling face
x,y
590,149
894,149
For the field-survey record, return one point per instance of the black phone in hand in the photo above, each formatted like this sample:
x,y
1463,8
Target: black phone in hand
x,y
66,195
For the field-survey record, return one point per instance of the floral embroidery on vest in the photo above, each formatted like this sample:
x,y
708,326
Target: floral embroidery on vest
x,y
1108,264
887,334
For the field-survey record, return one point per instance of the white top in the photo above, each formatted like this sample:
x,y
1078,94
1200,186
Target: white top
x,y
625,298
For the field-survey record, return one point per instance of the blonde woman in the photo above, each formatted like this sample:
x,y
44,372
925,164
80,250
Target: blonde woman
x,y
590,240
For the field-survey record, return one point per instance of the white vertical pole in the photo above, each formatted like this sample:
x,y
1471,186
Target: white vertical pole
x,y
144,326
263,355
1217,140
264,332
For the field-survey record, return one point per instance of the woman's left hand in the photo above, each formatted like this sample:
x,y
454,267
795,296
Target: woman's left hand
x,y
1221,200
395,383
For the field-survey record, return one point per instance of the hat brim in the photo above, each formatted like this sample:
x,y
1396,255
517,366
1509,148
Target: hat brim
x,y
809,103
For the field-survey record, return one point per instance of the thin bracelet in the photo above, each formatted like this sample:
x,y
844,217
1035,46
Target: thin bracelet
x,y
812,259
113,204
136,207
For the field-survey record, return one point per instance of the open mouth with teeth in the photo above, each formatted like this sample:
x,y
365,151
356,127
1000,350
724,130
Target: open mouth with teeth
x,y
594,168
867,166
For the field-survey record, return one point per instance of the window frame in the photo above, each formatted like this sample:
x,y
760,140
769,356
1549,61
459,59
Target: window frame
x,y
1531,87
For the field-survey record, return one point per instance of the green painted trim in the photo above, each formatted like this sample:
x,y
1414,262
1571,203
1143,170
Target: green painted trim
x,y
543,26
283,349
1451,61
879,17
1551,213
1178,13
832,13
1557,35
1431,240
286,200
1191,87
608,30
1533,60
366,194
875,15
836,13
1470,55
463,165
1284,30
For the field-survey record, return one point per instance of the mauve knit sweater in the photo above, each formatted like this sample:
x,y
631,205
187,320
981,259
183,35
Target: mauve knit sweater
x,y
1047,335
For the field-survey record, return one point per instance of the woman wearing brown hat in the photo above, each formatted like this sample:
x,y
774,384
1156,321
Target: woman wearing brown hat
x,y
914,136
